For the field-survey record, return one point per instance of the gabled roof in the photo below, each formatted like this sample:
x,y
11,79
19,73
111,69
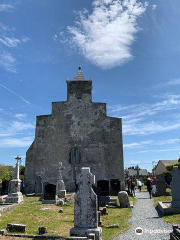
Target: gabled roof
x,y
167,162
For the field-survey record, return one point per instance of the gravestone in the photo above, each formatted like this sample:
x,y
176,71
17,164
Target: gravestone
x,y
14,194
5,186
115,186
160,186
86,207
123,199
60,187
49,193
175,187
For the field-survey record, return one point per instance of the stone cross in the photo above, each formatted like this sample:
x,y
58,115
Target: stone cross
x,y
86,205
17,166
175,187
14,194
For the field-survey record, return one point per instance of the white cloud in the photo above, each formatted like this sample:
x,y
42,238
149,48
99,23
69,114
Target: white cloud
x,y
159,150
25,39
7,41
20,115
137,144
154,7
6,7
136,116
151,143
14,128
7,61
148,128
105,36
16,142
173,82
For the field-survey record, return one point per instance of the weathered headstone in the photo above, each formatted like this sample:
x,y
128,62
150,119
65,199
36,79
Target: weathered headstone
x,y
60,188
86,207
123,199
175,187
160,186
14,194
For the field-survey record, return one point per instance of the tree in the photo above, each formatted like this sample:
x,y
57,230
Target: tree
x,y
22,170
6,172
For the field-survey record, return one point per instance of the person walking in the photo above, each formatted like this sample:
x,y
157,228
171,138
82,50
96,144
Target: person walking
x,y
139,184
149,187
133,187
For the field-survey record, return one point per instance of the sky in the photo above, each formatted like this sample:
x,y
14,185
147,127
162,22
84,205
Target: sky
x,y
130,49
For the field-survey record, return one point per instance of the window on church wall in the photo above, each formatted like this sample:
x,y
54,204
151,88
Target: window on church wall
x,y
74,156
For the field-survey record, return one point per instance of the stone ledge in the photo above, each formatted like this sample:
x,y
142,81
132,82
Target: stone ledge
x,y
167,210
45,237
4,208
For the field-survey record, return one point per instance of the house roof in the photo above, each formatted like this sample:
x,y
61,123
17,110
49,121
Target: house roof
x,y
167,162
133,172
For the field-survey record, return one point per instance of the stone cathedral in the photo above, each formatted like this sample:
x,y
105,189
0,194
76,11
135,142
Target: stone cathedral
x,y
79,134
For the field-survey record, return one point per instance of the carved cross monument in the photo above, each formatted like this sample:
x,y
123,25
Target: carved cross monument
x,y
14,194
60,187
86,207
175,187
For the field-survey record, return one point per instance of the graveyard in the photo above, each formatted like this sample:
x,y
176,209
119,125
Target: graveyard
x,y
33,214
89,120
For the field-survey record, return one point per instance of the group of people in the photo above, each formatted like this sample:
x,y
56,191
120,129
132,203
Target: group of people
x,y
132,183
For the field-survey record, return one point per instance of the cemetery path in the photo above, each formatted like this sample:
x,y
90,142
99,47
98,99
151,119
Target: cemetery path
x,y
146,217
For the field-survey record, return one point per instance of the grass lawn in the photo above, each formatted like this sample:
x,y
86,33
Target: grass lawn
x,y
33,214
174,219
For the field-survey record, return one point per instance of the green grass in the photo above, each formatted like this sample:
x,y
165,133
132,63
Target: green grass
x,y
173,219
31,214
116,215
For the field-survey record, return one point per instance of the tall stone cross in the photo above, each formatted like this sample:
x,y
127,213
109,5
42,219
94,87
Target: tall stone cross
x,y
175,187
17,166
86,204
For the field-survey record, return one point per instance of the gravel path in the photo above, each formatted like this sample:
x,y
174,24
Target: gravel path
x,y
146,217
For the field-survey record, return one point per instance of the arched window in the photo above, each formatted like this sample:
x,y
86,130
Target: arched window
x,y
74,156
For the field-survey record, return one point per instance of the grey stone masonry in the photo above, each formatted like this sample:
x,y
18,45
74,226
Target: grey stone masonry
x,y
80,134
175,187
86,207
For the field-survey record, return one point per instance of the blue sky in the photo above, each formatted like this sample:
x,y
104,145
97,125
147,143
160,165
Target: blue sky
x,y
129,48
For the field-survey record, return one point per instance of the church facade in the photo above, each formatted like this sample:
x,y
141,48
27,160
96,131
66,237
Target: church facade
x,y
79,134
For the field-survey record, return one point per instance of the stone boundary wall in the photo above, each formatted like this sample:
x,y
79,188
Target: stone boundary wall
x,y
37,237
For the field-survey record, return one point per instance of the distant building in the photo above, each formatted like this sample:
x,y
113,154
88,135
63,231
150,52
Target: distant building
x,y
134,172
161,166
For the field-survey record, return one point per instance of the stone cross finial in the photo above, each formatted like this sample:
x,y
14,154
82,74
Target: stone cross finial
x,y
79,76
85,178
